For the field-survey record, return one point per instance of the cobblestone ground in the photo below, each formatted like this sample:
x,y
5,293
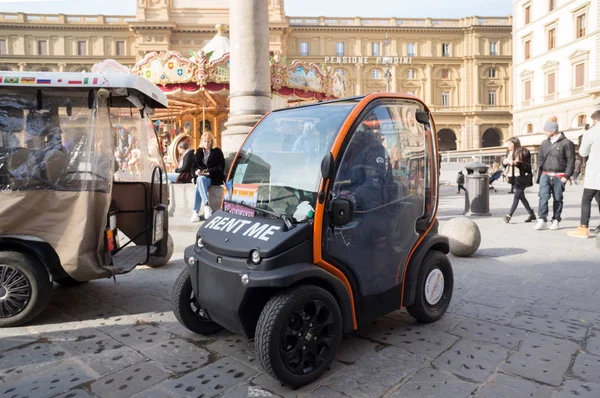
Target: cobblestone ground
x,y
524,322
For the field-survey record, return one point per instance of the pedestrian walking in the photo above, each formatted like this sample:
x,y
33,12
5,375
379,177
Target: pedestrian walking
x,y
460,180
556,163
518,162
590,148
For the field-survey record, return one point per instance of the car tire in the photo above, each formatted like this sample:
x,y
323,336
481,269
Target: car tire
x,y
186,308
431,299
314,314
22,301
155,262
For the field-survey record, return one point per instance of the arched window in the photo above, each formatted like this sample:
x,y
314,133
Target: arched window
x,y
445,74
376,74
412,74
340,71
581,120
491,72
529,128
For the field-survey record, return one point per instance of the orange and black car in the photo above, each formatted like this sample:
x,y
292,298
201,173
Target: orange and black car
x,y
329,221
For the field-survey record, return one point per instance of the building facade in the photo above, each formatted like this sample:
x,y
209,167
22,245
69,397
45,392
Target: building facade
x,y
556,64
462,68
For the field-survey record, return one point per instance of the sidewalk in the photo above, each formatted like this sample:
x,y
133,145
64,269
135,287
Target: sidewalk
x,y
524,321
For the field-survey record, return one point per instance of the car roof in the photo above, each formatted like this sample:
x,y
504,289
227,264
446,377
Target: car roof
x,y
153,95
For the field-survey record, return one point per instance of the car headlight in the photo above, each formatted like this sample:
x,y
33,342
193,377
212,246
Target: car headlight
x,y
199,243
254,258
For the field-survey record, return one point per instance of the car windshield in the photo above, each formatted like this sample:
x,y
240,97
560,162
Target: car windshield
x,y
279,166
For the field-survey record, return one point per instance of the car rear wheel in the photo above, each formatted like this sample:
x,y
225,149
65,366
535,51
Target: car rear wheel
x,y
298,333
187,310
435,284
155,262
25,288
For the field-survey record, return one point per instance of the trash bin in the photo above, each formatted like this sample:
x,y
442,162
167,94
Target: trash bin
x,y
477,184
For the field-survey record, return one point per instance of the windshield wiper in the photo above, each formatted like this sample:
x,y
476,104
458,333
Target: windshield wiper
x,y
288,221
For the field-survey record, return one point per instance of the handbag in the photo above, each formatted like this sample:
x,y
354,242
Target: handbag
x,y
525,178
185,177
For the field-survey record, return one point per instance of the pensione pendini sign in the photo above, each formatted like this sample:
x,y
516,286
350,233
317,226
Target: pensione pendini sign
x,y
368,60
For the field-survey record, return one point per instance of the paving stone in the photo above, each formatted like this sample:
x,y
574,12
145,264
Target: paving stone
x,y
447,322
77,393
375,373
34,358
587,367
246,391
471,360
552,327
10,342
433,383
506,386
129,381
237,348
486,313
211,380
579,389
323,392
486,332
177,355
593,342
498,299
540,310
541,358
57,380
154,392
412,339
140,336
270,384
145,303
353,348
583,318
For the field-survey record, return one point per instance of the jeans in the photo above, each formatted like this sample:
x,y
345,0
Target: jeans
x,y
586,205
551,186
519,196
461,186
172,177
202,184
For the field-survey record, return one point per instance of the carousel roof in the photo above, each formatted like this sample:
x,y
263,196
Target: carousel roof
x,y
208,71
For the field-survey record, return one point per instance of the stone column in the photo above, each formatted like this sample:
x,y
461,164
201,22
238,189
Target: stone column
x,y
22,66
358,79
427,95
250,75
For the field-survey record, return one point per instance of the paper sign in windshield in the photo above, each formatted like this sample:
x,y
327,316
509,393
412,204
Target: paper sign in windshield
x,y
244,194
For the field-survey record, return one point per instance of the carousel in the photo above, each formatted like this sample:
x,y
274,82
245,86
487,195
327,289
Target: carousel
x,y
198,87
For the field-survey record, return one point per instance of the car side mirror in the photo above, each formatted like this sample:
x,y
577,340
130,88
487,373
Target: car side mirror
x,y
328,167
341,211
422,117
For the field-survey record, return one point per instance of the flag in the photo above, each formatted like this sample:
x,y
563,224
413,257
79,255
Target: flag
x,y
11,79
44,81
28,80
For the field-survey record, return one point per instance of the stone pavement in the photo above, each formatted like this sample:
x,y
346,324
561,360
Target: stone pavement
x,y
524,322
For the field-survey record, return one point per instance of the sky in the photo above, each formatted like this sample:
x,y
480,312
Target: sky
x,y
308,8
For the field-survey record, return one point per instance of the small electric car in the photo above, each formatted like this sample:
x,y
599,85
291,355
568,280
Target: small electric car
x,y
83,192
329,222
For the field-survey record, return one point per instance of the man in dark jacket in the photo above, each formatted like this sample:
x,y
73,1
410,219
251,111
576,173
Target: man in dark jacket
x,y
556,163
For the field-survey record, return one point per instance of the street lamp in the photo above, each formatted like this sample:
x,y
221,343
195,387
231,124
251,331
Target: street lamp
x,y
388,64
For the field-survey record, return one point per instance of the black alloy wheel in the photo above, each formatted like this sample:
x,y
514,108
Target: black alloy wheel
x,y
188,310
298,334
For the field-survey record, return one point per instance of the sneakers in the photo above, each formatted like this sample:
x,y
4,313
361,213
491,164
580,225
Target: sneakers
x,y
531,218
541,224
555,225
195,217
507,219
596,230
580,232
207,212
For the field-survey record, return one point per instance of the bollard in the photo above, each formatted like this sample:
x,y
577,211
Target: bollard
x,y
477,183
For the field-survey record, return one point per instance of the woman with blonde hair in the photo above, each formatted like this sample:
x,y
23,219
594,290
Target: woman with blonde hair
x,y
518,165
